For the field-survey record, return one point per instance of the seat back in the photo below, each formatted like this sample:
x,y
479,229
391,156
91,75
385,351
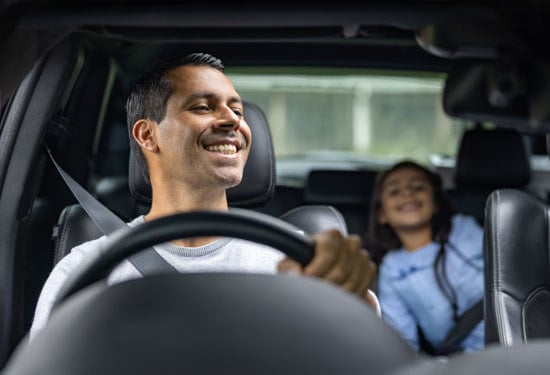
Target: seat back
x,y
113,192
488,160
314,218
257,186
517,268
349,191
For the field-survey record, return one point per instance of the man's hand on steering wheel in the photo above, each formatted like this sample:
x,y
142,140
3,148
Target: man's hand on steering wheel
x,y
340,260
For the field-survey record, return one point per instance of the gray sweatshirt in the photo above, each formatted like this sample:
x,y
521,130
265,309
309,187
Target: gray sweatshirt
x,y
223,255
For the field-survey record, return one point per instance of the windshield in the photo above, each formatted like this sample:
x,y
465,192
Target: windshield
x,y
351,117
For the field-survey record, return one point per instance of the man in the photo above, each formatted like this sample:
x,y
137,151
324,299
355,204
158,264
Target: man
x,y
187,129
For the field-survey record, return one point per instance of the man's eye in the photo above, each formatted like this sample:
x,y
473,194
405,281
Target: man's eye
x,y
238,112
200,108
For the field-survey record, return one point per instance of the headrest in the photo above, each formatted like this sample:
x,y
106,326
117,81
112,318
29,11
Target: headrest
x,y
258,181
313,218
339,186
492,159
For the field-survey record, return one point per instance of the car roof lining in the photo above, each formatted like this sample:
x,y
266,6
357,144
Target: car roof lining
x,y
363,35
407,15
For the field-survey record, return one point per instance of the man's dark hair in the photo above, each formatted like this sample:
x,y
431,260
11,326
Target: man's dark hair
x,y
149,94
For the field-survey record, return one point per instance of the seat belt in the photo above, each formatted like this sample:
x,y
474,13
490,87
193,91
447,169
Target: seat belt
x,y
148,261
461,329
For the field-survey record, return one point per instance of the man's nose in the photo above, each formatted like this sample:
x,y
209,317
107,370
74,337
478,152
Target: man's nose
x,y
228,119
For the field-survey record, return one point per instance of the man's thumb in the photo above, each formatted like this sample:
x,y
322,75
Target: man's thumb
x,y
289,266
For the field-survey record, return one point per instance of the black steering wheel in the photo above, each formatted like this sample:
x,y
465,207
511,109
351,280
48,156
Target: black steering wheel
x,y
210,323
236,223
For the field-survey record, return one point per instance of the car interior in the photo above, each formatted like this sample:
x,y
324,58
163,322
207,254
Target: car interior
x,y
62,93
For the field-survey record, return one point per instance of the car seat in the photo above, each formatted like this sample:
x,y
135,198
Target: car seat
x,y
349,191
517,268
258,183
488,160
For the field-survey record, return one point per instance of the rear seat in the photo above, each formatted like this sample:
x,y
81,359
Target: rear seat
x,y
284,198
349,191
488,160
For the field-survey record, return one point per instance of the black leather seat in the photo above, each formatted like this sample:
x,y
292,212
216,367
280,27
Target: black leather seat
x,y
257,186
488,160
113,192
348,191
313,218
517,268
492,184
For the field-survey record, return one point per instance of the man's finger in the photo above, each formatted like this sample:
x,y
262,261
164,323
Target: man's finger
x,y
327,253
362,274
342,269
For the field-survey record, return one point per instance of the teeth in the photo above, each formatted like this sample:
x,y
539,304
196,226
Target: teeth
x,y
408,206
224,149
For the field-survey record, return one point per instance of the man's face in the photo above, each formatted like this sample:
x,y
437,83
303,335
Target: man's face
x,y
203,138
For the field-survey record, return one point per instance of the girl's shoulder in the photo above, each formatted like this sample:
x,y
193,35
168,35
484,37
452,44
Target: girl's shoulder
x,y
462,223
463,219
466,233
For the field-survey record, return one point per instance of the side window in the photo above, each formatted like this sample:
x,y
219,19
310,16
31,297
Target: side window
x,y
113,148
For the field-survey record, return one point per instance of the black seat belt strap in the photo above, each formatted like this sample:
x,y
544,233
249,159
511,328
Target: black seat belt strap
x,y
462,328
148,261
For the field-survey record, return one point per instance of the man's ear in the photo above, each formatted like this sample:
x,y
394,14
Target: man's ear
x,y
143,132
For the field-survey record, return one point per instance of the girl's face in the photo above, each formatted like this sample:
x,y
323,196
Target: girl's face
x,y
406,200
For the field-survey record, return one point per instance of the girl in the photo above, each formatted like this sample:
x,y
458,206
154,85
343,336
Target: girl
x,y
431,262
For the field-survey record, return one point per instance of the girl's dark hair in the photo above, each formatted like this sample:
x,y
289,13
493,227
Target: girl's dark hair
x,y
381,238
149,94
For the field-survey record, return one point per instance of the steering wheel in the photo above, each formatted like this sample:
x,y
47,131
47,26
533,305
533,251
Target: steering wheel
x,y
236,223
210,323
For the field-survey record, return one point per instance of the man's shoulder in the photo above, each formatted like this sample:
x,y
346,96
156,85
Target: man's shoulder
x,y
98,244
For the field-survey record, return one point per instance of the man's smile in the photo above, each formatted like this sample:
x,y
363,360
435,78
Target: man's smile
x,y
227,149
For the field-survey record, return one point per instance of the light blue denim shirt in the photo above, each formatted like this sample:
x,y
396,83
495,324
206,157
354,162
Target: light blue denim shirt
x,y
409,294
